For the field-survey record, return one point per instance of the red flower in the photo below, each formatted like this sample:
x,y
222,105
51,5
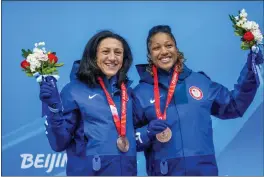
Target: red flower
x,y
248,36
52,58
24,64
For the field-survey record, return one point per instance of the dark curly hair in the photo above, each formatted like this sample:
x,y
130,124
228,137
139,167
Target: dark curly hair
x,y
163,29
89,71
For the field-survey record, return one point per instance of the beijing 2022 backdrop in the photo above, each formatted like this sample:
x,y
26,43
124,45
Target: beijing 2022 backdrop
x,y
203,32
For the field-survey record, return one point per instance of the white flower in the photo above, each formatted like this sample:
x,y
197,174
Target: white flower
x,y
250,25
243,11
40,54
257,36
244,19
42,57
33,67
37,57
33,61
36,44
239,23
31,58
247,25
37,50
41,43
243,15
254,26
237,18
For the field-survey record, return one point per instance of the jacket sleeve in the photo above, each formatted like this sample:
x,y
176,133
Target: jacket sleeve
x,y
140,125
142,139
60,126
232,104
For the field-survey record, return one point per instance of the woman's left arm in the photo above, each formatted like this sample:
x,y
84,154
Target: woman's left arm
x,y
232,104
140,125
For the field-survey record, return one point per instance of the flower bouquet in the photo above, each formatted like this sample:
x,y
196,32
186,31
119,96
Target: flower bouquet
x,y
39,62
251,38
248,30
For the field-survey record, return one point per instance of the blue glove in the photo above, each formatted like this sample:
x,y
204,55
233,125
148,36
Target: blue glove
x,y
259,58
155,127
49,93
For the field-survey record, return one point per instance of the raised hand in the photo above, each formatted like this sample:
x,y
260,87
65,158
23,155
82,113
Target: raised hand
x,y
49,93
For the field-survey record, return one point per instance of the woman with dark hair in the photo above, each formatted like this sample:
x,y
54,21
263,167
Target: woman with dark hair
x,y
175,103
92,116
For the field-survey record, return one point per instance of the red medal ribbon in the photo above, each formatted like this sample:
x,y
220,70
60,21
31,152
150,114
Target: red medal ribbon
x,y
171,90
120,124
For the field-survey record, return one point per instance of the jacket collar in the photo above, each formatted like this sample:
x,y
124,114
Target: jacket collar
x,y
164,76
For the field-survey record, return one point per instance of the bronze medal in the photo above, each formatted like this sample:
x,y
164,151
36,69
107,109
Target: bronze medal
x,y
164,136
122,144
122,141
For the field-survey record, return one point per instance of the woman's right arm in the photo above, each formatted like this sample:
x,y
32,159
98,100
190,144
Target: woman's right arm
x,y
62,114
60,129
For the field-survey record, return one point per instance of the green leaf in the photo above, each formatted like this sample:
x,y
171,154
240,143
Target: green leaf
x,y
240,30
237,33
232,18
244,46
251,43
29,51
59,64
29,74
49,70
46,64
26,53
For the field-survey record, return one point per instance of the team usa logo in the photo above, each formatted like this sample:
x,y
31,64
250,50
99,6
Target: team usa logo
x,y
196,93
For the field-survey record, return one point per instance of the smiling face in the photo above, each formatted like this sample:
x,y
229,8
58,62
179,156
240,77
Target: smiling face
x,y
109,57
163,51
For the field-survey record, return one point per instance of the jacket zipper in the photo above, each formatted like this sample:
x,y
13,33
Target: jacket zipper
x,y
181,140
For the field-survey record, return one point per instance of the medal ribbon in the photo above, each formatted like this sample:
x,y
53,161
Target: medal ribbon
x,y
120,124
171,90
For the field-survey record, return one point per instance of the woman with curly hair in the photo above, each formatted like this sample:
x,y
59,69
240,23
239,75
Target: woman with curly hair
x,y
173,105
